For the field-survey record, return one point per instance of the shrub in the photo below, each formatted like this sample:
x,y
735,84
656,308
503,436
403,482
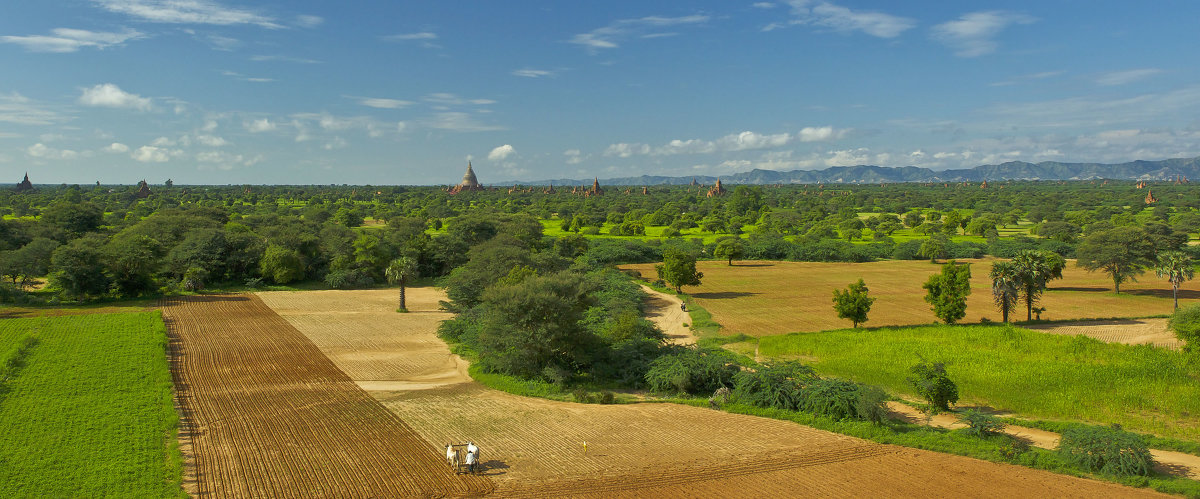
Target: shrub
x,y
834,398
774,385
932,383
871,404
692,370
349,279
980,424
1186,324
1107,450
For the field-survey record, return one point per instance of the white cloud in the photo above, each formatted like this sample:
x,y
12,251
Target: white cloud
x,y
18,109
424,35
1028,77
848,157
153,154
381,103
763,5
626,150
162,142
972,35
210,140
243,77
458,122
533,73
283,58
574,157
741,141
40,150
820,134
116,147
110,95
222,42
309,21
186,12
842,19
1124,77
64,40
259,125
336,143
502,152
618,31
226,161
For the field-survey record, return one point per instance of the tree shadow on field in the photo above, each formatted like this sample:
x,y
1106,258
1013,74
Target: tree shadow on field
x,y
1184,294
721,295
752,265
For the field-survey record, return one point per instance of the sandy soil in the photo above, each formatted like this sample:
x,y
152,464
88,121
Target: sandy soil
x,y
666,311
1169,462
1128,331
536,447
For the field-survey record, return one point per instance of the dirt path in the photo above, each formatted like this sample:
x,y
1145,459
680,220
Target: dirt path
x,y
667,312
536,447
1128,331
1168,462
268,415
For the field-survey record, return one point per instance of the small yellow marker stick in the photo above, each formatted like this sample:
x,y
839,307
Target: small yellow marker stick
x,y
585,448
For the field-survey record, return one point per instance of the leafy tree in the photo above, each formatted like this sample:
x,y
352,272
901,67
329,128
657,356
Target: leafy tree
x,y
951,222
981,424
729,250
853,303
132,262
692,370
400,271
1177,267
933,384
912,218
75,218
1122,252
947,292
281,264
982,224
32,260
1034,269
1006,286
77,268
933,247
1185,322
678,269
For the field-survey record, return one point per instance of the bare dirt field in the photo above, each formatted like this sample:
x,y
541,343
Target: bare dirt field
x,y
1128,331
767,298
535,447
266,414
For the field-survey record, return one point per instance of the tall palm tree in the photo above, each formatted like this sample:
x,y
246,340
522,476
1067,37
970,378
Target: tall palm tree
x,y
1177,267
1033,272
399,272
1006,286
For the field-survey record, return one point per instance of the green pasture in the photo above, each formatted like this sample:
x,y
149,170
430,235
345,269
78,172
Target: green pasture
x,y
1032,374
86,408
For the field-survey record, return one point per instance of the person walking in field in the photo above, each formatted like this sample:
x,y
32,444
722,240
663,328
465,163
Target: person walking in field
x,y
472,455
470,461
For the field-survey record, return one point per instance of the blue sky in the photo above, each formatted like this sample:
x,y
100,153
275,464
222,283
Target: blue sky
x,y
380,92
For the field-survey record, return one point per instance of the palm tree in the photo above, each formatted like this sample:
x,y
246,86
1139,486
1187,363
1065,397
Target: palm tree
x,y
1177,267
399,272
1033,272
1006,285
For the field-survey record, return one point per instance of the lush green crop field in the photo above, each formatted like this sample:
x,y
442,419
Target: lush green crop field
x,y
1033,374
86,408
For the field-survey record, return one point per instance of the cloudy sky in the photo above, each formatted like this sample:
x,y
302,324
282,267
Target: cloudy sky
x,y
313,92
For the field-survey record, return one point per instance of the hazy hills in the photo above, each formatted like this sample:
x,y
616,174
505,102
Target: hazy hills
x,y
1166,169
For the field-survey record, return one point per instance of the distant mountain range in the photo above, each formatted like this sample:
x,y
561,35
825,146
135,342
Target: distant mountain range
x,y
1166,169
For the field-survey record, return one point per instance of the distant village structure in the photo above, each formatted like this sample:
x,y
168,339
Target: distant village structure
x,y
25,185
143,190
469,182
716,190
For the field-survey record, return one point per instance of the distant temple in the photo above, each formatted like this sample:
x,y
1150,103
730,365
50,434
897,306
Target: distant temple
x,y
595,190
469,182
1150,197
143,189
25,184
716,190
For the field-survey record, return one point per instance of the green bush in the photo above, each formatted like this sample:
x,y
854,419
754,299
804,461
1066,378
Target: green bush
x,y
692,370
931,382
1107,450
1186,324
834,398
778,386
980,424
871,404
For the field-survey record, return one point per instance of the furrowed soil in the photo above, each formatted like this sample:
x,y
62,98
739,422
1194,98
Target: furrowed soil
x,y
1128,331
536,447
266,414
763,298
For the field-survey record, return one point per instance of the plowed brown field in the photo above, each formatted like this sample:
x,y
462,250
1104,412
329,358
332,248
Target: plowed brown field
x,y
269,415
534,447
1129,331
768,298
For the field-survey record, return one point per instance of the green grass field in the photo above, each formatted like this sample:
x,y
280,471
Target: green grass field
x,y
1032,374
86,407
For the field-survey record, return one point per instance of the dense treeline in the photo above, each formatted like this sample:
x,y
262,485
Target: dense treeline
x,y
106,241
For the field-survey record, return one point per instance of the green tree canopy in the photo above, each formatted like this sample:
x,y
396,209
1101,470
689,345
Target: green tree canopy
x,y
1006,286
947,291
853,303
1122,252
729,250
1177,267
678,269
400,271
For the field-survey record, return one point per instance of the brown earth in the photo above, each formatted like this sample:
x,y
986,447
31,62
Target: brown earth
x,y
536,447
762,298
266,414
1128,331
666,311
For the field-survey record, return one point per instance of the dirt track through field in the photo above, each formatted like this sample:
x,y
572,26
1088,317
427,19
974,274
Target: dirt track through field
x,y
666,311
534,447
268,415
